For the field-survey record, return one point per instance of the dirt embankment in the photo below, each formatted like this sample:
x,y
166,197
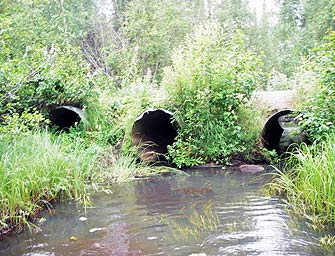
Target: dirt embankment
x,y
276,100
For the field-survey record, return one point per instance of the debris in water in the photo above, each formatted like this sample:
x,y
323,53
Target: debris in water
x,y
152,237
82,218
42,220
92,230
73,238
36,230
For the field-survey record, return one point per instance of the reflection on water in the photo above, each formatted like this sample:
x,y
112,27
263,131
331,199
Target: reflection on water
x,y
134,220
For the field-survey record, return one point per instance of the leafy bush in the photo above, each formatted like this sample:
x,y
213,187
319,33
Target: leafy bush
x,y
212,75
15,123
41,62
318,109
56,78
304,81
152,28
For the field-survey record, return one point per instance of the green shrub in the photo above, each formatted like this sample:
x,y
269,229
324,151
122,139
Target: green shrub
x,y
15,123
57,78
212,76
41,61
318,109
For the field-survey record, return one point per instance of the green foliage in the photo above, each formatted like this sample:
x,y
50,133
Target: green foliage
x,y
263,40
212,75
115,168
251,129
152,29
328,243
55,78
39,66
199,223
308,182
232,12
318,109
300,28
37,168
287,35
29,24
304,81
318,20
15,123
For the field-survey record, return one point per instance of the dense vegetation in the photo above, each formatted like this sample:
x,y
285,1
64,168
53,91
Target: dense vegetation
x,y
307,181
36,168
114,59
211,76
319,108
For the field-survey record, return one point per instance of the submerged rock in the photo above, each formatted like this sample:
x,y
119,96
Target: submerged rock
x,y
250,168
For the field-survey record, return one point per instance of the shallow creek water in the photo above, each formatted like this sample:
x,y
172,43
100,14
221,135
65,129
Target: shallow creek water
x,y
149,217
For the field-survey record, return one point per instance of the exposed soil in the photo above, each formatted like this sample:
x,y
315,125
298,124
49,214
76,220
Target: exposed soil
x,y
276,100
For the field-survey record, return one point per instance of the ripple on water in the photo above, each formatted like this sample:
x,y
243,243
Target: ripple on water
x,y
134,220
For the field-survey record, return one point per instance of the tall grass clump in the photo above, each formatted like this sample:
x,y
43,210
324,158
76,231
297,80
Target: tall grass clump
x,y
309,181
116,169
37,168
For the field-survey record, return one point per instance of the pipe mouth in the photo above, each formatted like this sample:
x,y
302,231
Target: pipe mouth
x,y
282,132
273,131
65,117
152,132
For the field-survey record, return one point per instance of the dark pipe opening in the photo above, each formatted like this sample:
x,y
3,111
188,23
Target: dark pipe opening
x,y
65,117
272,131
152,132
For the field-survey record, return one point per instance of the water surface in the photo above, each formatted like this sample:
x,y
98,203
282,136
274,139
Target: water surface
x,y
137,218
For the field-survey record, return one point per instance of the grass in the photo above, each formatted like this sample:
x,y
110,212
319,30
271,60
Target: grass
x,y
198,224
328,244
118,168
37,168
309,182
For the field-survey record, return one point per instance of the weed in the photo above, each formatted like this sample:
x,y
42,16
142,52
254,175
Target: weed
x,y
37,168
308,182
198,224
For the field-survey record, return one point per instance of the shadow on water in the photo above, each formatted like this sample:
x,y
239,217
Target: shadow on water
x,y
147,217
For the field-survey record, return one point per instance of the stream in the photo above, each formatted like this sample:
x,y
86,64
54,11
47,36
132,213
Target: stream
x,y
207,212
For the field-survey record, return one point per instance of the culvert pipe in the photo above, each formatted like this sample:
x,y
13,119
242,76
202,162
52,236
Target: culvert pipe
x,y
65,117
152,132
281,131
